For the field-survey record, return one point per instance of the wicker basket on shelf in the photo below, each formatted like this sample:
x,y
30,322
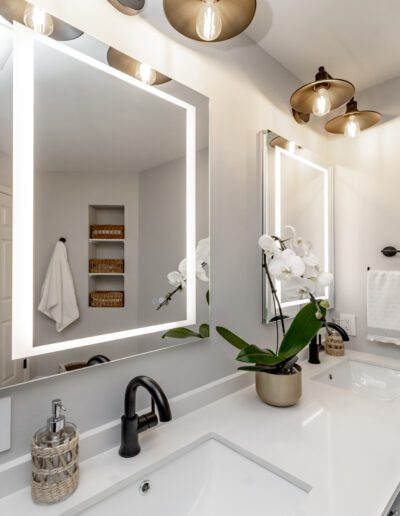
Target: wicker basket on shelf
x,y
106,299
106,266
334,345
55,471
107,232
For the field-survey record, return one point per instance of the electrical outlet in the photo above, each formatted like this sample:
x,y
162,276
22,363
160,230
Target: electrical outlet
x,y
348,323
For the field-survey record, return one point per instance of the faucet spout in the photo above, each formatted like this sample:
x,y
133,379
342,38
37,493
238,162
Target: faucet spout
x,y
132,424
314,345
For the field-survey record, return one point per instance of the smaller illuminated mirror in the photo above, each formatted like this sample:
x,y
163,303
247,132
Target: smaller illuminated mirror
x,y
297,207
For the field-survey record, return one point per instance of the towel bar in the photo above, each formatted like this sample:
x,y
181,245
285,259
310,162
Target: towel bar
x,y
390,251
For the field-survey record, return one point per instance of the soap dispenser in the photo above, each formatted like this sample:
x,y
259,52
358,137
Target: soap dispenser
x,y
55,450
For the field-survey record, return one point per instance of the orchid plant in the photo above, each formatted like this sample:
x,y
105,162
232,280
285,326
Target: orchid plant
x,y
292,262
177,279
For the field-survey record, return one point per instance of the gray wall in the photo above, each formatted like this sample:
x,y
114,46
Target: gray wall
x,y
249,91
5,169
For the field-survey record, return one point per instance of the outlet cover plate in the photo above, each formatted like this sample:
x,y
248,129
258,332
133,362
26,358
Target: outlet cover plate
x,y
5,424
348,323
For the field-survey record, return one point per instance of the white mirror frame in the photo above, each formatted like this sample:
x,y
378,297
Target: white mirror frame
x,y
327,216
23,200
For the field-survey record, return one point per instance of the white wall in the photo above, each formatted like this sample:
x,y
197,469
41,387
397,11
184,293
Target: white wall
x,y
249,91
367,185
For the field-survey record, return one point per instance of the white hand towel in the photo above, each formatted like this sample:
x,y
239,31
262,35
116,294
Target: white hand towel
x,y
383,305
58,299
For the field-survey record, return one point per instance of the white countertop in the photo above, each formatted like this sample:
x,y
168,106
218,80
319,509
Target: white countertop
x,y
345,446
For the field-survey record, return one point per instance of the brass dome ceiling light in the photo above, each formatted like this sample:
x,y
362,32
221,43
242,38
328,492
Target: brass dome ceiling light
x,y
128,7
320,96
38,19
353,121
141,71
210,20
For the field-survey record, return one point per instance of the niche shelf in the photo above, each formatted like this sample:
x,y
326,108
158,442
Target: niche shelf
x,y
106,283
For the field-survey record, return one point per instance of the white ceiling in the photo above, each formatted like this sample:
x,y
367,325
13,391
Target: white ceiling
x,y
357,40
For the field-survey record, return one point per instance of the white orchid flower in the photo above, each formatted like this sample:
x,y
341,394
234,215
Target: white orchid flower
x,y
324,279
270,246
203,251
287,265
298,287
178,278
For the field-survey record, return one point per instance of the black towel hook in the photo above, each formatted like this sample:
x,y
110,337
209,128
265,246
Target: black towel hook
x,y
390,251
63,240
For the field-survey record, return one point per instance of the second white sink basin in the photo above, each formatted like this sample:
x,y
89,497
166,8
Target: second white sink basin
x,y
373,381
210,479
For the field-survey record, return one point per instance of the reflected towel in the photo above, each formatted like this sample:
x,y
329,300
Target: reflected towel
x,y
383,306
58,299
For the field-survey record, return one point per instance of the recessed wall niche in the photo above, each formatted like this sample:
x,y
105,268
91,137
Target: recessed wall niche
x,y
106,267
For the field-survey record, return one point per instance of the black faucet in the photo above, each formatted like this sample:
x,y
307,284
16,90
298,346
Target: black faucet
x,y
314,345
132,424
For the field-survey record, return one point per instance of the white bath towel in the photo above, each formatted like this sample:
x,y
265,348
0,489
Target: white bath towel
x,y
383,305
58,299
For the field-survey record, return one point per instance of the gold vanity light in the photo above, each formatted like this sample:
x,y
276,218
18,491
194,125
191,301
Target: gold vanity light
x,y
353,121
37,19
320,96
135,68
210,20
129,7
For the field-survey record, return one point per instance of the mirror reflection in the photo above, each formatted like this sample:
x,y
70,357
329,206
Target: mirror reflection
x,y
298,220
110,211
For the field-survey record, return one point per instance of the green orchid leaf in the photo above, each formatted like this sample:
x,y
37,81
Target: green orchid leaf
x,y
208,297
231,338
204,331
278,318
181,333
303,328
254,355
264,369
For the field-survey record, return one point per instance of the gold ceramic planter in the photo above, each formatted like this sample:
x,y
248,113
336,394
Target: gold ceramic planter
x,y
279,390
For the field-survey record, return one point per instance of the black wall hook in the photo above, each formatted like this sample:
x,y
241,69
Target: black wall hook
x,y
63,240
390,251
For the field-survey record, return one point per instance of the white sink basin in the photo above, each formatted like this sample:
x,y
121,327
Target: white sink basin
x,y
379,383
210,479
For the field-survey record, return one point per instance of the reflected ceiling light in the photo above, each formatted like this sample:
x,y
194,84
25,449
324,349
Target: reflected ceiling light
x,y
283,143
353,121
135,68
38,20
129,7
210,20
320,96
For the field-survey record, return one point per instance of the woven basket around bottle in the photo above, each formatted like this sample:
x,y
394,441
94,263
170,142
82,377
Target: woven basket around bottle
x,y
107,231
55,471
334,345
106,266
106,299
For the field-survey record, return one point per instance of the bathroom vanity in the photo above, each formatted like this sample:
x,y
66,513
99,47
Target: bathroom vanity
x,y
238,456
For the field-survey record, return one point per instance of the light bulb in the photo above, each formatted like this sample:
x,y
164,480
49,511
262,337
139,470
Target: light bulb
x,y
145,73
322,103
209,21
352,127
37,19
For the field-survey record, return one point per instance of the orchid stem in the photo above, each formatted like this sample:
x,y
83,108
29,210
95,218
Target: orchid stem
x,y
274,293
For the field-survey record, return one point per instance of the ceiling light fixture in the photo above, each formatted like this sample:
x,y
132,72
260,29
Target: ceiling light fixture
x,y
37,19
210,20
135,68
128,7
353,121
320,96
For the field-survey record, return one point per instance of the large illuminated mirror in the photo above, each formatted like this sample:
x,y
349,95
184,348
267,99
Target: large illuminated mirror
x,y
297,202
113,174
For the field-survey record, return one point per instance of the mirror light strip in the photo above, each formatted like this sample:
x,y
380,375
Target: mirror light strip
x,y
23,195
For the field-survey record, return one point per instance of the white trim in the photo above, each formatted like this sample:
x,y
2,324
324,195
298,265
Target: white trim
x,y
23,207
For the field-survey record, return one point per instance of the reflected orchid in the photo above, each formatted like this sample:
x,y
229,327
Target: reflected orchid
x,y
287,265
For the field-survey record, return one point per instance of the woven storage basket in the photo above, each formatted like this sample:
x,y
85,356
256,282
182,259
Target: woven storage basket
x,y
106,266
55,471
107,231
334,345
106,299
71,366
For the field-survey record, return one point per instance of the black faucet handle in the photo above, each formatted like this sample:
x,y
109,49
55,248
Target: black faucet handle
x,y
149,420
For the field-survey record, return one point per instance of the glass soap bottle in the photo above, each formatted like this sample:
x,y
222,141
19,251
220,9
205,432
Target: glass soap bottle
x,y
55,449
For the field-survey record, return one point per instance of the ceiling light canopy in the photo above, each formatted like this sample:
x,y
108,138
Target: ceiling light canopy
x,y
129,7
320,96
353,121
210,20
37,19
141,71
